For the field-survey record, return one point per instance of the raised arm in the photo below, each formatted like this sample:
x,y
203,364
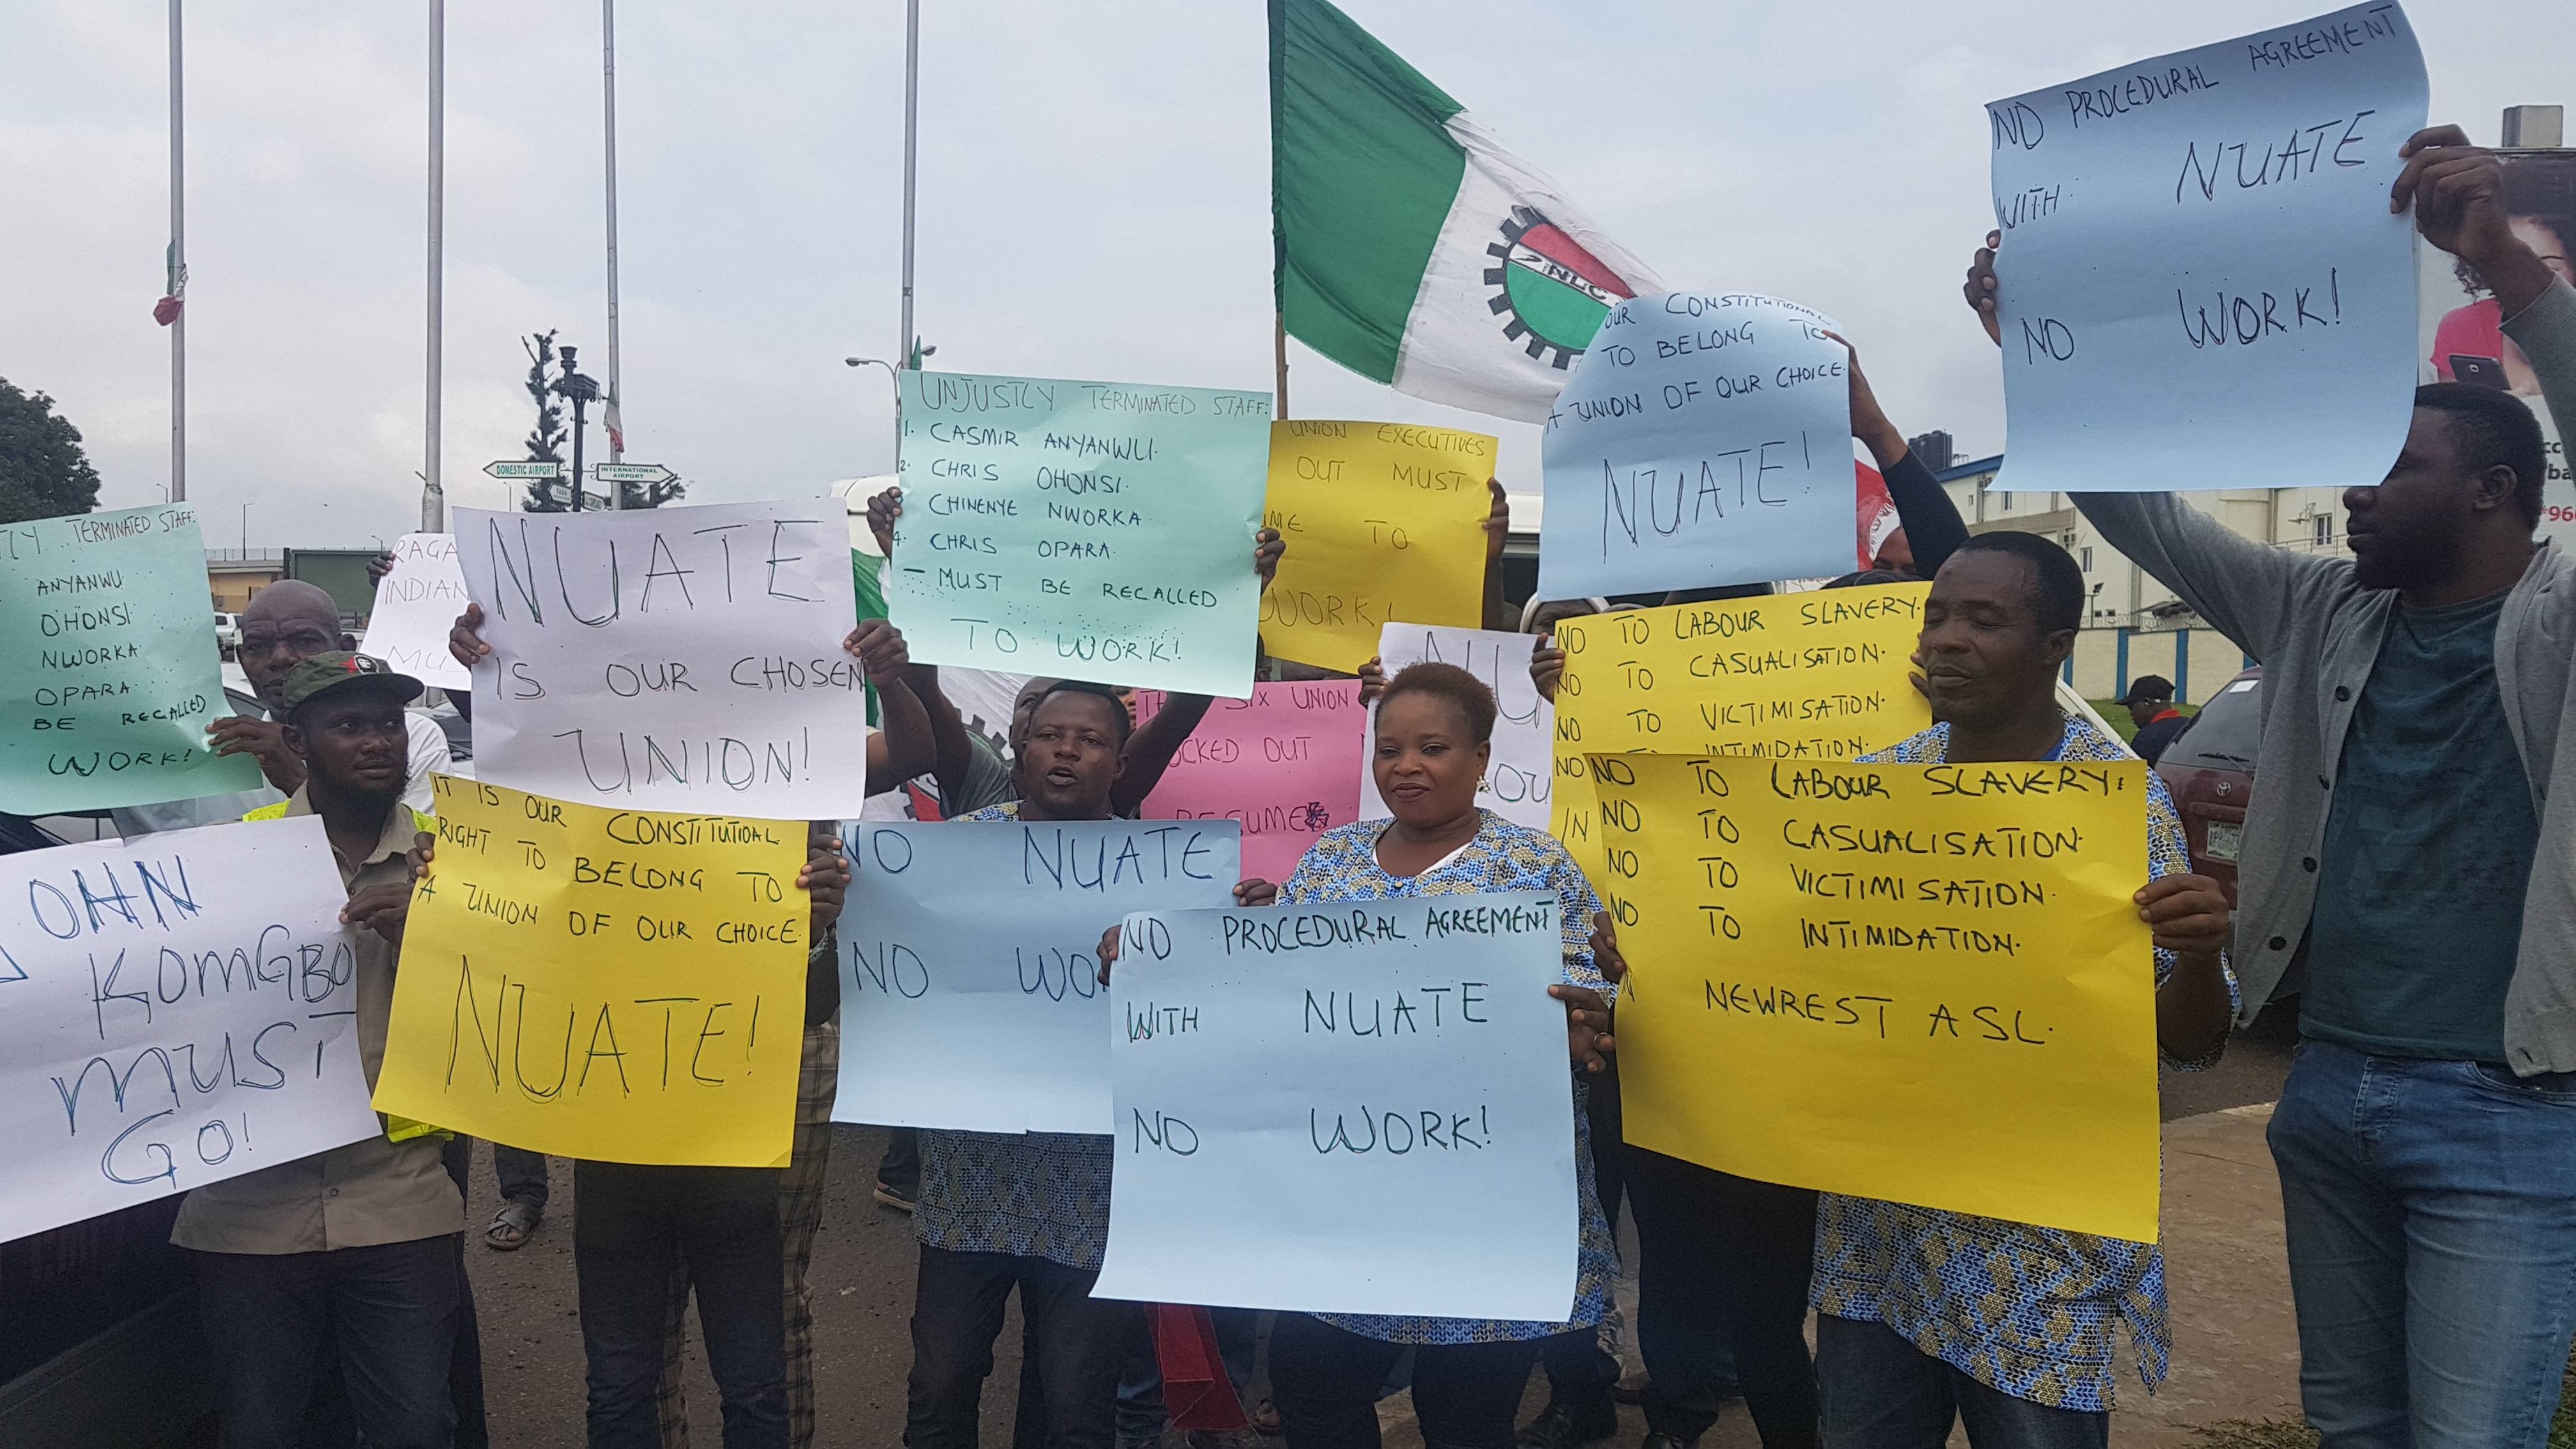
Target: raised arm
x,y
1151,749
2457,191
903,747
1931,521
1498,611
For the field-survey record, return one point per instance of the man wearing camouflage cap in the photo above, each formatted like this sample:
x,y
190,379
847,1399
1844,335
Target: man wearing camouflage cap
x,y
362,1241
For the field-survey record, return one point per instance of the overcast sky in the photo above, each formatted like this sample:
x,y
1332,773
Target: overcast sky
x,y
1093,201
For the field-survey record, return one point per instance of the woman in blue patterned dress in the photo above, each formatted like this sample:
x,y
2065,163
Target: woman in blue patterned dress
x,y
1434,728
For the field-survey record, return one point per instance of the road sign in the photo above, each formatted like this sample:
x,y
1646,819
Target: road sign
x,y
524,470
631,473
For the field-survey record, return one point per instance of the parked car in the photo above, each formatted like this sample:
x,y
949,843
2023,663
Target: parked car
x,y
228,634
101,1345
2210,771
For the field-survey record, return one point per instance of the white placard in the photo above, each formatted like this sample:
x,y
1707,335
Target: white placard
x,y
684,659
1361,1107
1518,776
970,993
416,606
2198,246
173,1012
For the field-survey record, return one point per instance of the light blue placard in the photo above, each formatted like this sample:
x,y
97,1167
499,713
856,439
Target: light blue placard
x,y
969,961
108,656
1307,1095
1089,530
2202,286
1703,440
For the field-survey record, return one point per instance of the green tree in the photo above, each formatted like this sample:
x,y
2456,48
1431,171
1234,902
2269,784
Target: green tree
x,y
546,439
43,472
653,495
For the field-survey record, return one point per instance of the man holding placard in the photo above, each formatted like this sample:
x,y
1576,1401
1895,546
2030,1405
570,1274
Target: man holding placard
x,y
356,1246
2420,889
1913,1301
1026,1211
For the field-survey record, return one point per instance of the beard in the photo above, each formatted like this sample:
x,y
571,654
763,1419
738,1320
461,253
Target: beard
x,y
2422,558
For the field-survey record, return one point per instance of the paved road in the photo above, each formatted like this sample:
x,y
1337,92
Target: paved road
x,y
862,1277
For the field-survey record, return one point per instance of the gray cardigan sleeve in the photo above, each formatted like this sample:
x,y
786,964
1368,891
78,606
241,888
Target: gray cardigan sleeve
x,y
2248,590
2546,333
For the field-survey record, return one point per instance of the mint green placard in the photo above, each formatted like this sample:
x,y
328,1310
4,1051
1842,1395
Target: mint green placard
x,y
1085,530
108,670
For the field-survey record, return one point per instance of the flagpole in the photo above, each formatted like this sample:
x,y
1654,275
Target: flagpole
x,y
911,119
433,488
178,271
608,111
1279,359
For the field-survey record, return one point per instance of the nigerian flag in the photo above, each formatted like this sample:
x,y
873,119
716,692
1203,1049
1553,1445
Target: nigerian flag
x,y
1411,248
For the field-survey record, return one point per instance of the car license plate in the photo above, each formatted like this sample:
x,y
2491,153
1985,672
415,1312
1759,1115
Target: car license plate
x,y
2223,840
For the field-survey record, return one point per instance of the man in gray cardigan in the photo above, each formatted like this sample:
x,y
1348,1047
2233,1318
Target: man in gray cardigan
x,y
2403,866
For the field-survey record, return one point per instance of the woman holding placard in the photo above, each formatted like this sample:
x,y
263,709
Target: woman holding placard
x,y
1434,730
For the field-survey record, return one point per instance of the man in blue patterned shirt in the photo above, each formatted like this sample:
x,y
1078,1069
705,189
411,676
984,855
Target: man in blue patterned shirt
x,y
1025,1210
1926,1317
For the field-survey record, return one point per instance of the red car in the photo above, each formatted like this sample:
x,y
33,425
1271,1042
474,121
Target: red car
x,y
2210,771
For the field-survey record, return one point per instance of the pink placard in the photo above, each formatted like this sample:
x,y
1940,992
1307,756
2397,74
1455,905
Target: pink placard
x,y
1286,763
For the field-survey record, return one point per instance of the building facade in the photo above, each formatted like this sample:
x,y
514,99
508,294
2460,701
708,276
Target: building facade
x,y
2134,625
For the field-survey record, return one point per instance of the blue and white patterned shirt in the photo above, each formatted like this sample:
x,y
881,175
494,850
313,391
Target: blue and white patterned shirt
x,y
1342,866
2024,1310
1029,1194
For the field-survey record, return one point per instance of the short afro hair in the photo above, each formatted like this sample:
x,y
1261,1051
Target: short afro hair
x,y
2057,585
1451,685
1126,721
2490,429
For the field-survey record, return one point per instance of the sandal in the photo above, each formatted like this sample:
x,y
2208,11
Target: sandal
x,y
512,1226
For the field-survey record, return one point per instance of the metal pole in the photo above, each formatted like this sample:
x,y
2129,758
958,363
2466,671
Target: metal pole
x,y
911,119
433,489
1279,358
178,271
608,103
580,426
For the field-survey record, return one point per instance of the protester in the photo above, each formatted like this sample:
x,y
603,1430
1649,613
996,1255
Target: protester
x,y
697,1224
974,776
1434,735
2150,702
1927,1317
1723,1261
1024,1211
283,625
2422,889
358,1246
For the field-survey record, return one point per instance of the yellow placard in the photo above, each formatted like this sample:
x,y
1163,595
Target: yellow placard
x,y
1817,675
1921,983
1384,522
617,985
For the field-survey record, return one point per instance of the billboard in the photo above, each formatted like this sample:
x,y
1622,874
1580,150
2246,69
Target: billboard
x,y
2459,326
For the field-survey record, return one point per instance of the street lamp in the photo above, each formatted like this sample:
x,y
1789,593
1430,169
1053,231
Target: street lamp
x,y
581,391
894,377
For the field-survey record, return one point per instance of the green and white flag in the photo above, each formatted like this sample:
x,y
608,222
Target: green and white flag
x,y
1411,248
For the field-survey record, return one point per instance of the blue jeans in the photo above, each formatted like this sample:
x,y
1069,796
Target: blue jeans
x,y
1881,1392
2431,1209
